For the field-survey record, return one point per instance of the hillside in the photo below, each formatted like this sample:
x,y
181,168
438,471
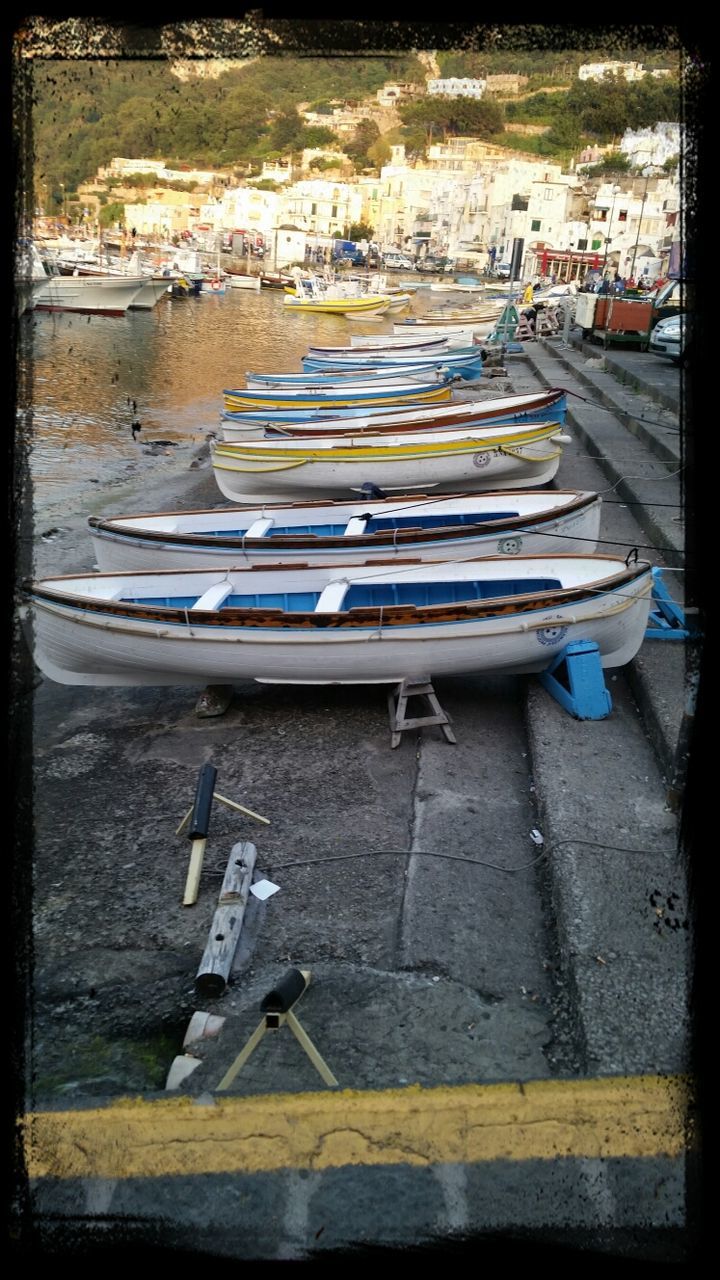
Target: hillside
x,y
86,113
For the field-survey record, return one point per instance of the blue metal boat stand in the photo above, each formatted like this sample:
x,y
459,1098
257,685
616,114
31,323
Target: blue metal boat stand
x,y
582,690
667,620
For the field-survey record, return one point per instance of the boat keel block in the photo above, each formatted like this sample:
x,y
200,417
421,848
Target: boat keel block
x,y
214,700
415,687
582,691
277,1009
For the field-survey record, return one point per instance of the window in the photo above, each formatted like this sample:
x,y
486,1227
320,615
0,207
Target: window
x,y
548,193
334,211
313,208
596,244
582,245
622,215
535,224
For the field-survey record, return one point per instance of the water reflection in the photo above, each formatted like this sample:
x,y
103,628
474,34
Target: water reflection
x,y
79,374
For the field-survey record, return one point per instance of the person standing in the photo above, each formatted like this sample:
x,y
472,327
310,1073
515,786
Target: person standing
x,y
529,295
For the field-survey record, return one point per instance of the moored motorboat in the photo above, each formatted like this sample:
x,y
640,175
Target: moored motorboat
x,y
339,624
407,526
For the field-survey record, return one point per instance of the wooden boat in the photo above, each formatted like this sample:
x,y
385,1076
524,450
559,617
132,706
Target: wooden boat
x,y
464,361
335,624
407,526
510,456
456,335
366,376
481,413
408,392
238,281
276,280
407,341
358,350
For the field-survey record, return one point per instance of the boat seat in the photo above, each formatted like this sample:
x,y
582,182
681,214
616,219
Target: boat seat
x,y
259,528
355,525
214,596
332,596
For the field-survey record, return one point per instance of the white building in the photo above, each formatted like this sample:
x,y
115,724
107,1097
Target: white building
x,y
454,88
321,207
598,70
652,146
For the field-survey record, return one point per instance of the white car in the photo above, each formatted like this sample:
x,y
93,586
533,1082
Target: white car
x,y
400,261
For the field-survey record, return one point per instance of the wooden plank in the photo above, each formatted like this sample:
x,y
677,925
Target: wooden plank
x,y
212,975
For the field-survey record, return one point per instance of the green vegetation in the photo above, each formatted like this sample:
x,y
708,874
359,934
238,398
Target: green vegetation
x,y
111,213
360,231
440,117
86,113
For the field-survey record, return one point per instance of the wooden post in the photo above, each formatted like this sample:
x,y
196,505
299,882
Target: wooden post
x,y
199,826
211,978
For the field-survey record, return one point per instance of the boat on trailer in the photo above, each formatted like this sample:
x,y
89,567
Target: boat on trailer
x,y
335,624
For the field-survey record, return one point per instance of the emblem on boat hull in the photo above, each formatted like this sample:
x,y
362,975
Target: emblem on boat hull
x,y
481,459
551,635
509,546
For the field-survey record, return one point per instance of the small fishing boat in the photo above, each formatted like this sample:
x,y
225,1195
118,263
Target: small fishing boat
x,y
506,456
238,281
551,405
338,298
407,526
335,624
366,376
276,280
467,362
369,347
403,341
337,398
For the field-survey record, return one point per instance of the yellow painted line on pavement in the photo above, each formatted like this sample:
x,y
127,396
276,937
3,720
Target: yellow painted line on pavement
x,y
634,1117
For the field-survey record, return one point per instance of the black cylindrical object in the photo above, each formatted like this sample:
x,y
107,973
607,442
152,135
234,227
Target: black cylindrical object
x,y
285,993
516,259
200,821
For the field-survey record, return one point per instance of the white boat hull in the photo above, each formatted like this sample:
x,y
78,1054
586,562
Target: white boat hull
x,y
126,548
475,467
78,645
104,295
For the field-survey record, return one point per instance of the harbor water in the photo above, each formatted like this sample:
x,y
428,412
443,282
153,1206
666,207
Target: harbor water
x,y
83,380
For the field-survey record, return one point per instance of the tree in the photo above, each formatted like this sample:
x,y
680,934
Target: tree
x,y
111,213
360,231
364,136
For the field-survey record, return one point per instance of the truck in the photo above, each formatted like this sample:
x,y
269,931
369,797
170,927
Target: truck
x,y
347,251
628,319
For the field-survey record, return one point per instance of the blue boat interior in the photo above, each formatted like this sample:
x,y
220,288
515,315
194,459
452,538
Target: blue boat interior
x,y
376,524
360,595
457,519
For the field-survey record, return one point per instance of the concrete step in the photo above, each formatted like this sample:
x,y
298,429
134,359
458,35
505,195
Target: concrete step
x,y
656,427
647,376
656,676
640,477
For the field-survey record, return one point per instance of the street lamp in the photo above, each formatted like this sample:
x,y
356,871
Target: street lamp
x,y
647,174
615,193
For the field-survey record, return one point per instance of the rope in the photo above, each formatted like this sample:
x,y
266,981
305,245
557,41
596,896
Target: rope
x,y
454,857
621,413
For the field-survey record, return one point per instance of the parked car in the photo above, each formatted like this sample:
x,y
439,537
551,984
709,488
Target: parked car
x,y
438,265
398,261
502,269
668,338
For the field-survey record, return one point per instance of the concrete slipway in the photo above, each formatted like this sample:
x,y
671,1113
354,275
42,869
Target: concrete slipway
x,y
547,983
